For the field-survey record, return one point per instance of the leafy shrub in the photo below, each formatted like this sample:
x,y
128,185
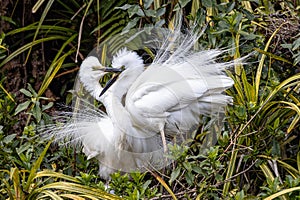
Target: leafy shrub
x,y
257,153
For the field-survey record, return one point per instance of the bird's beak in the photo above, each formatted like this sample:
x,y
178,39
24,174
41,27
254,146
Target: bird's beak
x,y
108,69
109,83
115,76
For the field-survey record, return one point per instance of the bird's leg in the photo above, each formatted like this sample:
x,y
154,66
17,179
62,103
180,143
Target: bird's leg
x,y
163,137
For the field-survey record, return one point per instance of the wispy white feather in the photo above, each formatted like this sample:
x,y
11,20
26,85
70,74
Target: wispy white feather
x,y
168,96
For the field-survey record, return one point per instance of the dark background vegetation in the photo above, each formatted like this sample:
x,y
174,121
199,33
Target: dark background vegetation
x,y
257,154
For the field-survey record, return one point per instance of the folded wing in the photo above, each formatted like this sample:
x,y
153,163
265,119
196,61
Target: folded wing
x,y
175,94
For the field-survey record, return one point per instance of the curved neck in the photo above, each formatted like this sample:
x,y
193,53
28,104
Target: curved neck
x,y
112,100
126,79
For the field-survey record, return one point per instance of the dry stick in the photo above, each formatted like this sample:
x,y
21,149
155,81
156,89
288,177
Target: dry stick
x,y
163,137
80,30
79,38
177,194
80,54
80,9
67,72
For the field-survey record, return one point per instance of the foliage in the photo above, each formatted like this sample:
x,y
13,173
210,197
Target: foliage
x,y
135,188
31,184
257,153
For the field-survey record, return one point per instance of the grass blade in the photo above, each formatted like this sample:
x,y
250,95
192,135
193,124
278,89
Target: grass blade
x,y
285,191
35,167
262,60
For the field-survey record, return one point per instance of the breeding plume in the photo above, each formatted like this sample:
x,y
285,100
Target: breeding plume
x,y
147,107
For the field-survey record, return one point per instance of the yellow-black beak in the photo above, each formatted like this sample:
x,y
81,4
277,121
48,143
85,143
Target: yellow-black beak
x,y
116,71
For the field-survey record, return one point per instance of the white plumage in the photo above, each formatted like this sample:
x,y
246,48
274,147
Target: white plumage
x,y
165,98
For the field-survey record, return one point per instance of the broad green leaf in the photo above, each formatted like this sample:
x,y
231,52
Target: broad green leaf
x,y
150,13
130,25
147,3
189,177
37,112
30,88
160,12
174,175
125,7
135,10
9,138
26,92
49,105
21,107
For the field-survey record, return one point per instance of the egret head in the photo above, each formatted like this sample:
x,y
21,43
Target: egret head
x,y
128,59
89,76
91,70
125,64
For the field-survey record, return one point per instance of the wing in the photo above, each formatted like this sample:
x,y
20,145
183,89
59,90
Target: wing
x,y
164,89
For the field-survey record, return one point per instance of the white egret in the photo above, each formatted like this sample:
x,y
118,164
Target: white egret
x,y
166,98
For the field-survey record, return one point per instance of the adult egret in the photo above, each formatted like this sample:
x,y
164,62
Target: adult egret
x,y
146,108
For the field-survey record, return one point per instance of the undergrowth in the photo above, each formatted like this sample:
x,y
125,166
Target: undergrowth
x,y
257,154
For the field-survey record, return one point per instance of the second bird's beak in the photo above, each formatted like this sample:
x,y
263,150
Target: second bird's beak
x,y
116,71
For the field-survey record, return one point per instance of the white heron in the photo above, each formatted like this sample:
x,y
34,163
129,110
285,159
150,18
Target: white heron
x,y
147,107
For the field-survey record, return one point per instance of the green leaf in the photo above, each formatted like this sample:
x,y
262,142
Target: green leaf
x,y
30,88
189,177
147,3
279,194
150,13
160,12
135,10
8,19
125,7
174,175
187,166
41,20
26,92
273,56
37,112
230,7
197,169
296,44
35,167
130,25
276,123
23,148
29,45
45,107
276,148
207,3
9,138
181,4
21,107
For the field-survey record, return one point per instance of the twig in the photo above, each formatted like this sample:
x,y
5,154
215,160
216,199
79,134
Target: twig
x,y
237,174
177,194
66,72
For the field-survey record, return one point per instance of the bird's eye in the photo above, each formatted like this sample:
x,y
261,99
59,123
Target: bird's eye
x,y
122,67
